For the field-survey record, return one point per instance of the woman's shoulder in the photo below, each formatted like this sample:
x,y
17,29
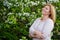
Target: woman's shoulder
x,y
50,20
39,18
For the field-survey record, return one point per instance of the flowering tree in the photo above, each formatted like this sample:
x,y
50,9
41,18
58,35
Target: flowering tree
x,y
16,16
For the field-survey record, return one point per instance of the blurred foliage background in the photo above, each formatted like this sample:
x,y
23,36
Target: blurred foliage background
x,y
16,16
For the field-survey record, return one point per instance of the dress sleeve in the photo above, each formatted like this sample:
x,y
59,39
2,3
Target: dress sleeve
x,y
31,29
48,28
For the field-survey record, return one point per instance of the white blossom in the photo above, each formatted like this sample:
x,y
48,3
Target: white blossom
x,y
54,0
15,5
37,2
50,0
26,14
32,15
20,14
16,0
20,39
33,3
10,13
33,12
43,3
10,22
58,10
6,3
56,7
25,0
10,4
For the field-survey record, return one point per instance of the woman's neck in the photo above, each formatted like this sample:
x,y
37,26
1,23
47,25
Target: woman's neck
x,y
45,17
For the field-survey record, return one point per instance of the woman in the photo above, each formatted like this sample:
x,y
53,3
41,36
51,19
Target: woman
x,y
42,27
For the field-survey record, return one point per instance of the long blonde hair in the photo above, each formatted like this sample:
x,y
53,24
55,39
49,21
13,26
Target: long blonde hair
x,y
52,12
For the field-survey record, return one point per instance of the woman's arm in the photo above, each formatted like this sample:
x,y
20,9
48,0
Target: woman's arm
x,y
36,34
31,29
32,36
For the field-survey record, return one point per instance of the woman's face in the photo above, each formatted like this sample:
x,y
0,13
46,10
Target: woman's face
x,y
45,10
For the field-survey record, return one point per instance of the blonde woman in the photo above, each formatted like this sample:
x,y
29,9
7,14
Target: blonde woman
x,y
43,26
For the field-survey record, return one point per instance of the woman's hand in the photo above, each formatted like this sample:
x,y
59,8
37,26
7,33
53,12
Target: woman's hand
x,y
38,34
32,36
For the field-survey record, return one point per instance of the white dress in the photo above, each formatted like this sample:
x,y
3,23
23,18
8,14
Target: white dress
x,y
43,26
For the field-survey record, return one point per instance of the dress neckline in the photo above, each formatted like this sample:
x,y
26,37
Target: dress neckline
x,y
43,21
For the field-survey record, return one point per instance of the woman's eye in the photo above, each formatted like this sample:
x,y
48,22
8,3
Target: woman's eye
x,y
47,8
